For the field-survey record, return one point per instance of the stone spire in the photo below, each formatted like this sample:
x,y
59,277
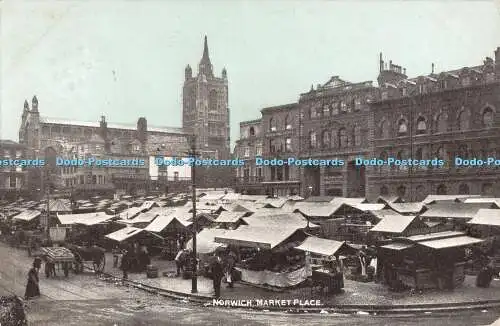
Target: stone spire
x,y
205,66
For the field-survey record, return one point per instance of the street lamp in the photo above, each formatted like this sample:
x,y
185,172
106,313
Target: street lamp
x,y
194,276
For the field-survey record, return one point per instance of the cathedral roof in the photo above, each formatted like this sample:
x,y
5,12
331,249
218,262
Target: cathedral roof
x,y
95,124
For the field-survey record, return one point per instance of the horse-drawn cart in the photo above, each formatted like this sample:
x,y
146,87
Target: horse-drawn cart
x,y
93,256
59,257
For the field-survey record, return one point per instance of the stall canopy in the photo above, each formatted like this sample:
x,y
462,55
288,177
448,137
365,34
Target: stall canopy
x,y
370,207
389,199
27,215
483,200
318,211
352,201
163,221
146,217
454,210
257,236
486,216
230,217
324,247
124,234
130,213
273,202
84,219
397,224
407,208
60,205
447,198
148,205
205,241
450,242
292,220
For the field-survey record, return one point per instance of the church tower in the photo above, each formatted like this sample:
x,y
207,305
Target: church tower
x,y
205,108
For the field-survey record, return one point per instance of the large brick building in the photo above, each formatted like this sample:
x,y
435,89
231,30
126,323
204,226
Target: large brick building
x,y
13,179
248,148
440,116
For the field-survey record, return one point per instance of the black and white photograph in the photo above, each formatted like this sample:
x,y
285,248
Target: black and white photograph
x,y
267,163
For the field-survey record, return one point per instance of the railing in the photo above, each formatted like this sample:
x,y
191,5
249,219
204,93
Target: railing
x,y
248,180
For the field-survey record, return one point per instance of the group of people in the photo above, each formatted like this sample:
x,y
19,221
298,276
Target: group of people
x,y
134,259
221,267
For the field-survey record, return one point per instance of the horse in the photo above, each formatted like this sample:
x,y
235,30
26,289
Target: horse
x,y
94,254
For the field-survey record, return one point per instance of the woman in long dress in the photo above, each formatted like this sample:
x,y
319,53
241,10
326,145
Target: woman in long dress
x,y
32,287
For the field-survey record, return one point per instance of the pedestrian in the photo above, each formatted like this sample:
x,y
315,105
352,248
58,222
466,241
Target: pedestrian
x,y
217,274
116,256
230,263
126,262
32,287
179,261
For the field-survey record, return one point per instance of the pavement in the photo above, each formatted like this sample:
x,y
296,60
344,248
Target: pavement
x,y
357,296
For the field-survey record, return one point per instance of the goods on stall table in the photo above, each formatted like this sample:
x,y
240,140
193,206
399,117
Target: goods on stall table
x,y
57,256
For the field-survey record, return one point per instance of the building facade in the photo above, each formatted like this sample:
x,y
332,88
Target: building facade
x,y
14,180
438,116
248,148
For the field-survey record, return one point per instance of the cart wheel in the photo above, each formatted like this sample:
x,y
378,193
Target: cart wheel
x,y
66,269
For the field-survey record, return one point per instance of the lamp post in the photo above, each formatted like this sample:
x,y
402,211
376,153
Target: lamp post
x,y
194,276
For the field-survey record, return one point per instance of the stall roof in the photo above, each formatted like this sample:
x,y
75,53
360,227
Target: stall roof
x,y
130,213
205,241
257,236
230,217
252,198
437,198
434,236
319,199
60,205
145,217
295,198
277,220
148,205
450,242
273,202
163,221
370,207
389,199
486,216
232,196
407,208
483,200
397,246
394,224
384,213
27,215
454,210
124,234
321,246
352,201
325,211
85,219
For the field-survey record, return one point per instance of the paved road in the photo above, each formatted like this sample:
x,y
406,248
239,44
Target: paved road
x,y
83,300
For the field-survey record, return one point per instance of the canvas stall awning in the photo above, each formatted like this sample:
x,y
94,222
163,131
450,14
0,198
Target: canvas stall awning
x,y
407,208
230,217
277,220
454,210
205,241
320,246
370,207
84,219
446,198
393,224
124,234
450,242
27,215
397,246
256,236
495,201
487,216
162,221
130,213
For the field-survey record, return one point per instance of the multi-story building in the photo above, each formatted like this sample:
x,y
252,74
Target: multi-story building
x,y
248,148
440,115
280,140
335,124
14,181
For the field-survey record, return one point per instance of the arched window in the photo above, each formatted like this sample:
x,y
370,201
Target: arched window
x,y
401,191
463,189
421,126
421,193
441,153
463,120
326,110
488,118
334,108
357,135
384,191
325,139
402,127
442,123
343,106
272,124
212,100
312,112
419,154
402,156
312,139
487,189
288,124
441,190
252,131
385,131
343,138
463,151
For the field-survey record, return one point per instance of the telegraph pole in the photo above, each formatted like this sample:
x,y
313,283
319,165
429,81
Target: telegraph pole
x,y
194,275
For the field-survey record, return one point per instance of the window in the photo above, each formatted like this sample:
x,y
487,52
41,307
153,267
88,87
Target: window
x,y
357,135
272,146
246,152
487,189
312,113
258,149
401,191
259,173
419,154
488,118
402,156
326,110
441,154
273,173
465,81
287,172
272,124
212,100
288,124
385,131
463,189
94,179
288,144
384,191
402,127
343,106
12,181
463,120
100,179
421,126
279,173
441,190
312,139
463,151
490,76
252,131
384,156
176,176
421,193
343,138
82,179
334,108
325,139
442,123
357,104
404,91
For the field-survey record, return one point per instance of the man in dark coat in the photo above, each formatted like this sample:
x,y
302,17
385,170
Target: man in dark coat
x,y
217,274
32,287
127,262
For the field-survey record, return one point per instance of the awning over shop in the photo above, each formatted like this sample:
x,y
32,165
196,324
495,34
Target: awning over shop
x,y
486,216
124,234
275,220
27,215
84,219
257,236
397,246
450,242
320,246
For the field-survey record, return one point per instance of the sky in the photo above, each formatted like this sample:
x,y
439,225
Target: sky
x,y
126,59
